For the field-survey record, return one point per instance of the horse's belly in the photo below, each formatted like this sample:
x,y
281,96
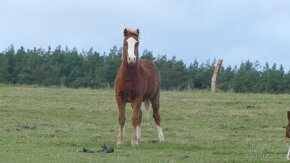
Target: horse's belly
x,y
129,99
128,95
131,95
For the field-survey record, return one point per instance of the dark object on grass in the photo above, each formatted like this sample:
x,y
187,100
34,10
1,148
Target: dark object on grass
x,y
154,141
250,107
105,149
184,157
28,127
265,126
109,150
104,146
239,128
87,150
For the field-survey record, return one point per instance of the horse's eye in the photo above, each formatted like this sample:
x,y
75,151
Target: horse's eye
x,y
137,43
125,44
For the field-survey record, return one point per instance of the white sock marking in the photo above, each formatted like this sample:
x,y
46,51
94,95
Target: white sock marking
x,y
138,130
160,134
123,132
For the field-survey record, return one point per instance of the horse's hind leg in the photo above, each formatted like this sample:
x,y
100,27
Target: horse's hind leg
x,y
156,115
147,105
121,105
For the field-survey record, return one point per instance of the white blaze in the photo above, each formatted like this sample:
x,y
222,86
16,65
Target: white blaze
x,y
131,48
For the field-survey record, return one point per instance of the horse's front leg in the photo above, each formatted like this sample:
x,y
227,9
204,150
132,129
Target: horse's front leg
x,y
122,106
136,121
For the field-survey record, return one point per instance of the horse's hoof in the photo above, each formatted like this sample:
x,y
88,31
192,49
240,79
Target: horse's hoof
x,y
134,143
119,143
161,139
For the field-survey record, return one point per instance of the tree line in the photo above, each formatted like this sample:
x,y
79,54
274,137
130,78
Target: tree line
x,y
71,68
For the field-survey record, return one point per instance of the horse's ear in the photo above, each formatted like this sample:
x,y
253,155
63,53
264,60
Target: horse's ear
x,y
288,113
138,31
125,32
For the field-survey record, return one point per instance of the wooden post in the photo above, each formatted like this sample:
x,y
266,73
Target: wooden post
x,y
215,75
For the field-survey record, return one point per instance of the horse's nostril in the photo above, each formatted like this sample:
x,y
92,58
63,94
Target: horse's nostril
x,y
131,60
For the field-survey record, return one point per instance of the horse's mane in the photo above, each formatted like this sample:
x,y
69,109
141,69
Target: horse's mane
x,y
134,32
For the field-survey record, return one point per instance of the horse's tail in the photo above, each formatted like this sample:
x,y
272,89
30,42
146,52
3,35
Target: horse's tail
x,y
147,105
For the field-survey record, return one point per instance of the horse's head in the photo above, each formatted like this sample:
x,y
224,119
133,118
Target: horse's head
x,y
130,45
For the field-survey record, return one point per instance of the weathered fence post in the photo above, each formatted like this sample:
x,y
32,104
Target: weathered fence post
x,y
215,75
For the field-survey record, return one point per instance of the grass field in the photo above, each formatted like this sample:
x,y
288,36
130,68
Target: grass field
x,y
52,124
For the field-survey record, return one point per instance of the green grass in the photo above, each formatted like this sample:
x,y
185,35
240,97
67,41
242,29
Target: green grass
x,y
40,124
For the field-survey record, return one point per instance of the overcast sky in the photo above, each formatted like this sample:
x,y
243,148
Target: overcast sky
x,y
234,30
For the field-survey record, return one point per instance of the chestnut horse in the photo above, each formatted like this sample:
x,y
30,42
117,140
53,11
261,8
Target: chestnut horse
x,y
137,81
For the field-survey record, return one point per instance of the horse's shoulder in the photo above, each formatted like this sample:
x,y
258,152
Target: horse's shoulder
x,y
146,63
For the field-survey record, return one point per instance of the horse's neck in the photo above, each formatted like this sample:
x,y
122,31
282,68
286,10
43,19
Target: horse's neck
x,y
130,71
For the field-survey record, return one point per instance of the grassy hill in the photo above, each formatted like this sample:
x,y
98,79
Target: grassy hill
x,y
40,124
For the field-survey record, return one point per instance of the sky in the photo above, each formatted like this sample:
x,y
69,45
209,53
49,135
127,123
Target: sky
x,y
233,30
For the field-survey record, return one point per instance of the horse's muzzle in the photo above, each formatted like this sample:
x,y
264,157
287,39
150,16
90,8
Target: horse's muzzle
x,y
131,60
